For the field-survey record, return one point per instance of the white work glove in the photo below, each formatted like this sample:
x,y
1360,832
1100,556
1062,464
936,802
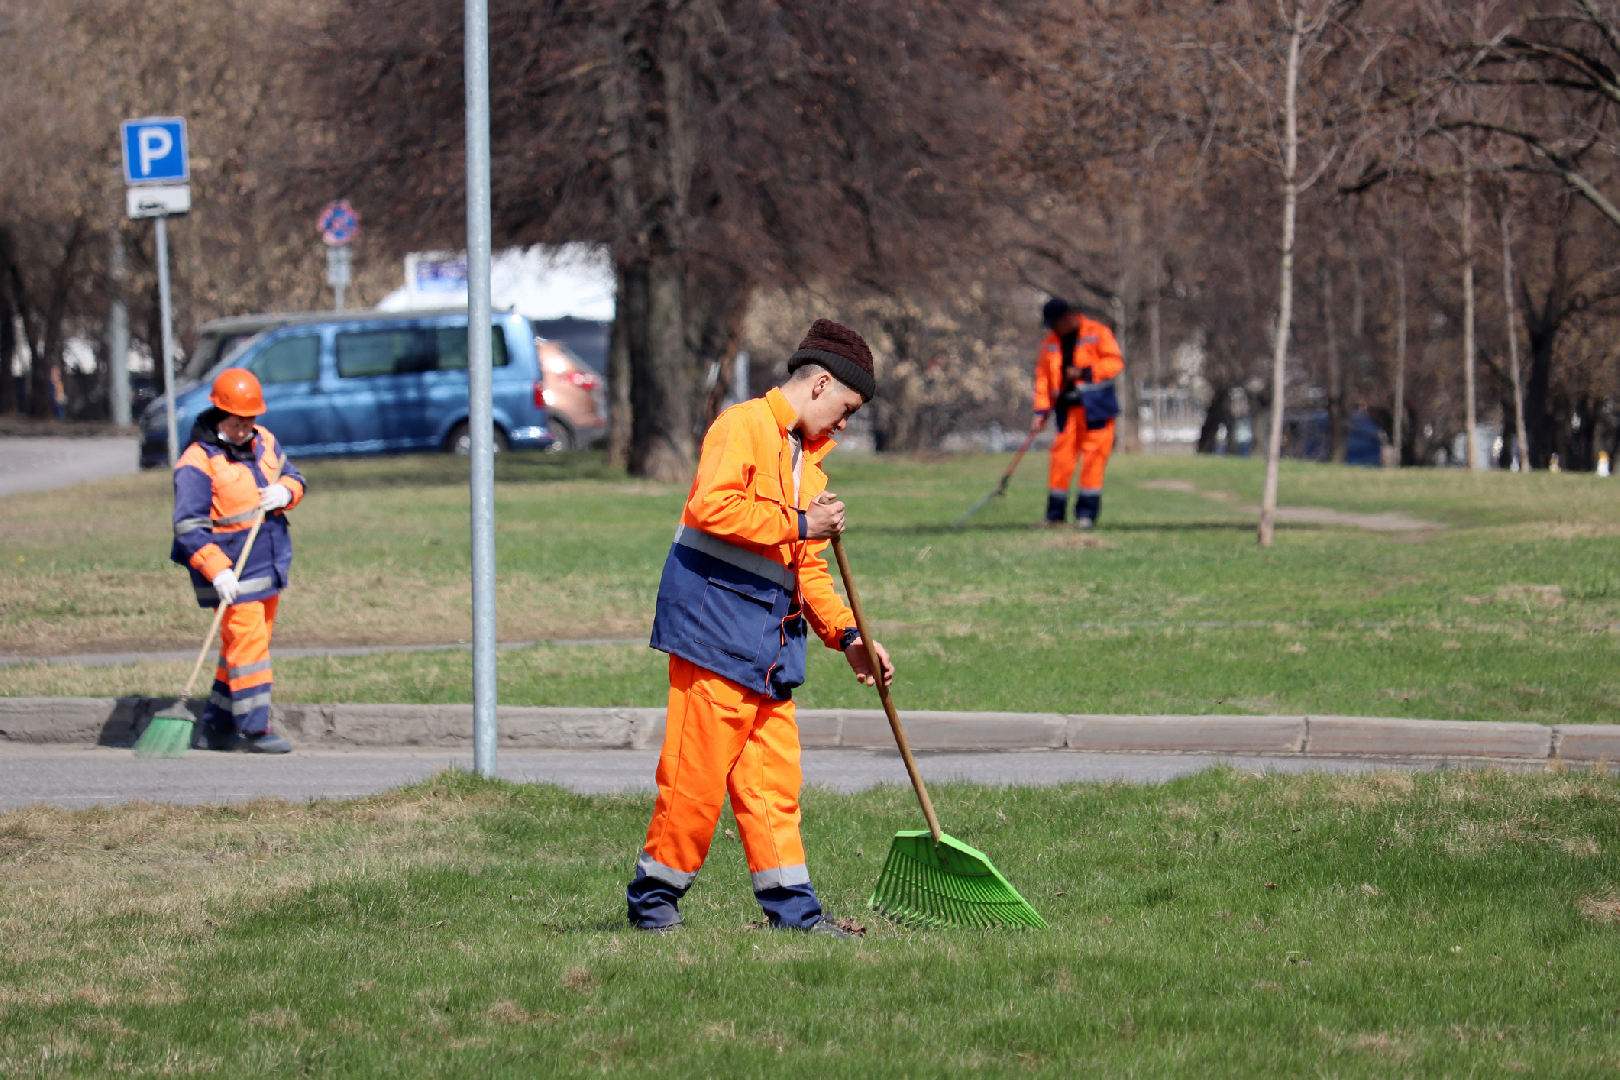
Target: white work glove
x,y
274,497
227,586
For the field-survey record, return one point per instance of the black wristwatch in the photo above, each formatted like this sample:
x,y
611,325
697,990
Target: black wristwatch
x,y
848,638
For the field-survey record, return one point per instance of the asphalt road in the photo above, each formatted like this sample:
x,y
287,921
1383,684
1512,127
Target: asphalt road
x,y
28,464
84,776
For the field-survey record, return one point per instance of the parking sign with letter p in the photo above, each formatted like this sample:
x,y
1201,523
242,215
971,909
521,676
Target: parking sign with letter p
x,y
155,150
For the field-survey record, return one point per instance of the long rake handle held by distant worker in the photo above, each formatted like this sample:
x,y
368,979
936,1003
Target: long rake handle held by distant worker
x,y
1006,478
883,691
219,613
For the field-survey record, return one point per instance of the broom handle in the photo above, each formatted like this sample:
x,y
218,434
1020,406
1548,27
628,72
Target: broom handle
x,y
883,691
1022,450
219,613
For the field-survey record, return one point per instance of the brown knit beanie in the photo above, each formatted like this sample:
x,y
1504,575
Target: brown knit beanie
x,y
842,352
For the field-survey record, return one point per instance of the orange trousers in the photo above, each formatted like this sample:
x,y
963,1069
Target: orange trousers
x,y
1090,447
243,679
722,738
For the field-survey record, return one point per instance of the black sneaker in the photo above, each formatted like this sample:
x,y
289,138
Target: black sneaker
x,y
204,737
660,931
267,743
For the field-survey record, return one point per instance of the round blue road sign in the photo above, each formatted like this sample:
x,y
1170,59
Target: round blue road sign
x,y
339,223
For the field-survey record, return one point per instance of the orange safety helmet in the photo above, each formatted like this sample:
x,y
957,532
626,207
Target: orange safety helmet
x,y
237,392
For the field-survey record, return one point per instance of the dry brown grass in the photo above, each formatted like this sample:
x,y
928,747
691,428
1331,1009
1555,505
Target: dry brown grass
x,y
1602,909
153,880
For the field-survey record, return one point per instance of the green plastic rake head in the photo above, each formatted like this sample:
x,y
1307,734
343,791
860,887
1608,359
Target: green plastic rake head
x,y
931,879
947,884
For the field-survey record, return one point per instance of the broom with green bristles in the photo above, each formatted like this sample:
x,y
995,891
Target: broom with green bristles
x,y
169,733
932,879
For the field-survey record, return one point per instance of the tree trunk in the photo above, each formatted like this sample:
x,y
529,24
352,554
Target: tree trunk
x,y
1338,416
1468,318
630,310
1155,344
1398,436
1521,452
663,445
1285,291
8,349
1543,334
1218,414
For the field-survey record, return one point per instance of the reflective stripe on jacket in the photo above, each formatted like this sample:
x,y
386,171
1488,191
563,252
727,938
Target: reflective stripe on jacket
x,y
740,580
216,499
1094,348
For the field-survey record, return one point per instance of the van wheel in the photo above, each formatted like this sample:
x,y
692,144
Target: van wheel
x,y
564,435
459,441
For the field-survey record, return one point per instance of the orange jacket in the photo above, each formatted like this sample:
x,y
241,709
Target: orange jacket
x,y
1095,348
743,494
216,501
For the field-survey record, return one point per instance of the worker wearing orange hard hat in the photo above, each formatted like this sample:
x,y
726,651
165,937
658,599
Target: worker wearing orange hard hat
x,y
1074,383
232,471
744,584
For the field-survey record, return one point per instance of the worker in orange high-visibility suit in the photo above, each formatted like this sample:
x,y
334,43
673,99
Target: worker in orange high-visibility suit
x,y
1074,381
744,576
233,471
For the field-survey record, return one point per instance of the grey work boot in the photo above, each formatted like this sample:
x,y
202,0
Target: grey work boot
x,y
267,743
825,927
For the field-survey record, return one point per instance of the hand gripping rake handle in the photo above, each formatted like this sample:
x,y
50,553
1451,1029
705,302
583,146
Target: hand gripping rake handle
x,y
219,613
1006,478
883,691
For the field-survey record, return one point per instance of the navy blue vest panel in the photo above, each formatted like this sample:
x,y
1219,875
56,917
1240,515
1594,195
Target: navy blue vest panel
x,y
727,620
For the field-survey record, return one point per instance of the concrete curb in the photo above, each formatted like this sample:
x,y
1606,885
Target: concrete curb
x,y
118,721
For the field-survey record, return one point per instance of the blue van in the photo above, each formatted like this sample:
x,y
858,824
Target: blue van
x,y
371,382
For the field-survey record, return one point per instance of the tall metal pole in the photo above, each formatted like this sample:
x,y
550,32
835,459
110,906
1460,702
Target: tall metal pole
x,y
169,389
480,410
118,338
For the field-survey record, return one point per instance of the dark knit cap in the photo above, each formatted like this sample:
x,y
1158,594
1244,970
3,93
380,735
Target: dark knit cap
x,y
842,352
1054,310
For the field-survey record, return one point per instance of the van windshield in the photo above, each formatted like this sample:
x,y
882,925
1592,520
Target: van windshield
x,y
211,349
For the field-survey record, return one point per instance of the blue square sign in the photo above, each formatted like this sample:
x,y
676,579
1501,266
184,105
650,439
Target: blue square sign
x,y
155,150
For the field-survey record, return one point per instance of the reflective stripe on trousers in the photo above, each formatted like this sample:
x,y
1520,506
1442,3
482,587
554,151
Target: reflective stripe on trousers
x,y
1089,448
722,738
244,679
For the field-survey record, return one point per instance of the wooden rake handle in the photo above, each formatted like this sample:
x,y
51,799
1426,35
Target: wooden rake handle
x,y
883,691
219,613
1007,476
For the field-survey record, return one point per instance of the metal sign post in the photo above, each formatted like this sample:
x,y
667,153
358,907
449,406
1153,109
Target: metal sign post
x,y
170,391
157,169
339,224
480,403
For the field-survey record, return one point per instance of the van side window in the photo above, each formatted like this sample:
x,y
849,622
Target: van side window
x,y
366,353
452,342
290,360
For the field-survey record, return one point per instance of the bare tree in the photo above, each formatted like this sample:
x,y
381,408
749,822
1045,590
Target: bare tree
x,y
715,146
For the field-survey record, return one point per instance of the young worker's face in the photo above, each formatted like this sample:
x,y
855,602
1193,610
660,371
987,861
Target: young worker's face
x,y
236,429
831,405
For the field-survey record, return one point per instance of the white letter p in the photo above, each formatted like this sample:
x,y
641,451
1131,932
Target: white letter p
x,y
155,144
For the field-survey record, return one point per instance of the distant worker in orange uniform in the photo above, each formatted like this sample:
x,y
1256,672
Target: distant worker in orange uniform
x,y
1074,381
743,579
233,470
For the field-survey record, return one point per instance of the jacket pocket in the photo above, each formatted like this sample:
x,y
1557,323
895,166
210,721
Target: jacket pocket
x,y
734,618
1101,405
768,489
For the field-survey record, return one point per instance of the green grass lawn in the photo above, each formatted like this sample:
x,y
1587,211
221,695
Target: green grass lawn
x,y
1509,612
1457,924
